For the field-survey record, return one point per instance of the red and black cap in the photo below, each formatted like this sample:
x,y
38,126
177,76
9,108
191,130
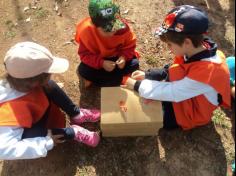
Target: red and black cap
x,y
185,19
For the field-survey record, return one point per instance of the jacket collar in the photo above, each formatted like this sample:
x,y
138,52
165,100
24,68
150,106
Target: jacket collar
x,y
208,53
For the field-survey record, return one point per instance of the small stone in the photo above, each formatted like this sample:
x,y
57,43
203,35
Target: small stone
x,y
28,20
59,14
126,12
26,9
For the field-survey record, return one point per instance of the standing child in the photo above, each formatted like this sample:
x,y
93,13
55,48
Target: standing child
x,y
198,81
31,122
106,45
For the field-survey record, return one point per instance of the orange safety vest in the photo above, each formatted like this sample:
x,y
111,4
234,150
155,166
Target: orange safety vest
x,y
198,111
87,33
27,110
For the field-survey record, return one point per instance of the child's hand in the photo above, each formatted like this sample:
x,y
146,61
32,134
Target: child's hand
x,y
56,138
109,65
138,75
121,62
129,84
233,92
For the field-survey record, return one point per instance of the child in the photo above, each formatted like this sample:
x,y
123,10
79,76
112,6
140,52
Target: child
x,y
231,64
106,46
29,106
198,81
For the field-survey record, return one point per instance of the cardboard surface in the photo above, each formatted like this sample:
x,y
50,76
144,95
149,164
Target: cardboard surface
x,y
125,114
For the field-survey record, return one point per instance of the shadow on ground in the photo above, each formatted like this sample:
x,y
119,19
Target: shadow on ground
x,y
167,154
170,153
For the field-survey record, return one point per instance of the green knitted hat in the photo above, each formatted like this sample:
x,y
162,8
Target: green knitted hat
x,y
105,14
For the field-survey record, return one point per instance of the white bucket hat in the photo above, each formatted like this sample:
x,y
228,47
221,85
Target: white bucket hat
x,y
28,59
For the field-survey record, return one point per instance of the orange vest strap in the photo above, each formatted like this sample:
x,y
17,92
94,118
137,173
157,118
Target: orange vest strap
x,y
29,109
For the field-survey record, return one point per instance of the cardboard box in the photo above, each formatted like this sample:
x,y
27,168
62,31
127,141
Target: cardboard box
x,y
125,114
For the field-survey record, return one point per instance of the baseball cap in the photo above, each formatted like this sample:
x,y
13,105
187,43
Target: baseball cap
x,y
28,59
185,19
106,14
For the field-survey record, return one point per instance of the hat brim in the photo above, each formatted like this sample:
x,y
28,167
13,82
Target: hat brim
x,y
118,25
59,65
160,31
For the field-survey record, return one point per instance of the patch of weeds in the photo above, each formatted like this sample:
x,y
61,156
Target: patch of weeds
x,y
151,60
10,25
10,33
41,13
219,119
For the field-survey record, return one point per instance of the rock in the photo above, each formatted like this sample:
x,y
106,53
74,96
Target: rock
x,y
26,9
28,20
126,12
56,8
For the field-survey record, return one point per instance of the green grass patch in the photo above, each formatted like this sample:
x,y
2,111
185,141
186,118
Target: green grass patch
x,y
219,119
41,13
10,34
10,26
151,60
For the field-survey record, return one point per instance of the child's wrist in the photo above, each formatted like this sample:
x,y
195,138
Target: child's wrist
x,y
131,83
137,85
49,143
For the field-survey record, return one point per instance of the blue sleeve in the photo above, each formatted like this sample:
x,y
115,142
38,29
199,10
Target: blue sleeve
x,y
231,64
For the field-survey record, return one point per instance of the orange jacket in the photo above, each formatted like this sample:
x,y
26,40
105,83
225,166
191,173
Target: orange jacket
x,y
198,110
94,48
29,109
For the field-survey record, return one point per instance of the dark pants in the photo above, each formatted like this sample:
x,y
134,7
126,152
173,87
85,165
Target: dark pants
x,y
102,78
168,110
58,97
169,119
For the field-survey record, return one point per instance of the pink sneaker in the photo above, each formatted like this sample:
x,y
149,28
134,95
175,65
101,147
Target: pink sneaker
x,y
86,115
85,136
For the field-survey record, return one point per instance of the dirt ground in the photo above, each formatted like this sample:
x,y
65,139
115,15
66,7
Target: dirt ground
x,y
206,151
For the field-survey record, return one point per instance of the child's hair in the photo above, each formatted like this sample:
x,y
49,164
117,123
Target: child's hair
x,y
26,84
178,38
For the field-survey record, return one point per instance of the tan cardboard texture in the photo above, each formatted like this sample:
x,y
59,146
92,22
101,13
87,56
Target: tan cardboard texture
x,y
125,114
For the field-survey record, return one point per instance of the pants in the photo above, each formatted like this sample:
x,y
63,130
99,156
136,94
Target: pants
x,y
169,119
168,110
59,98
102,78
